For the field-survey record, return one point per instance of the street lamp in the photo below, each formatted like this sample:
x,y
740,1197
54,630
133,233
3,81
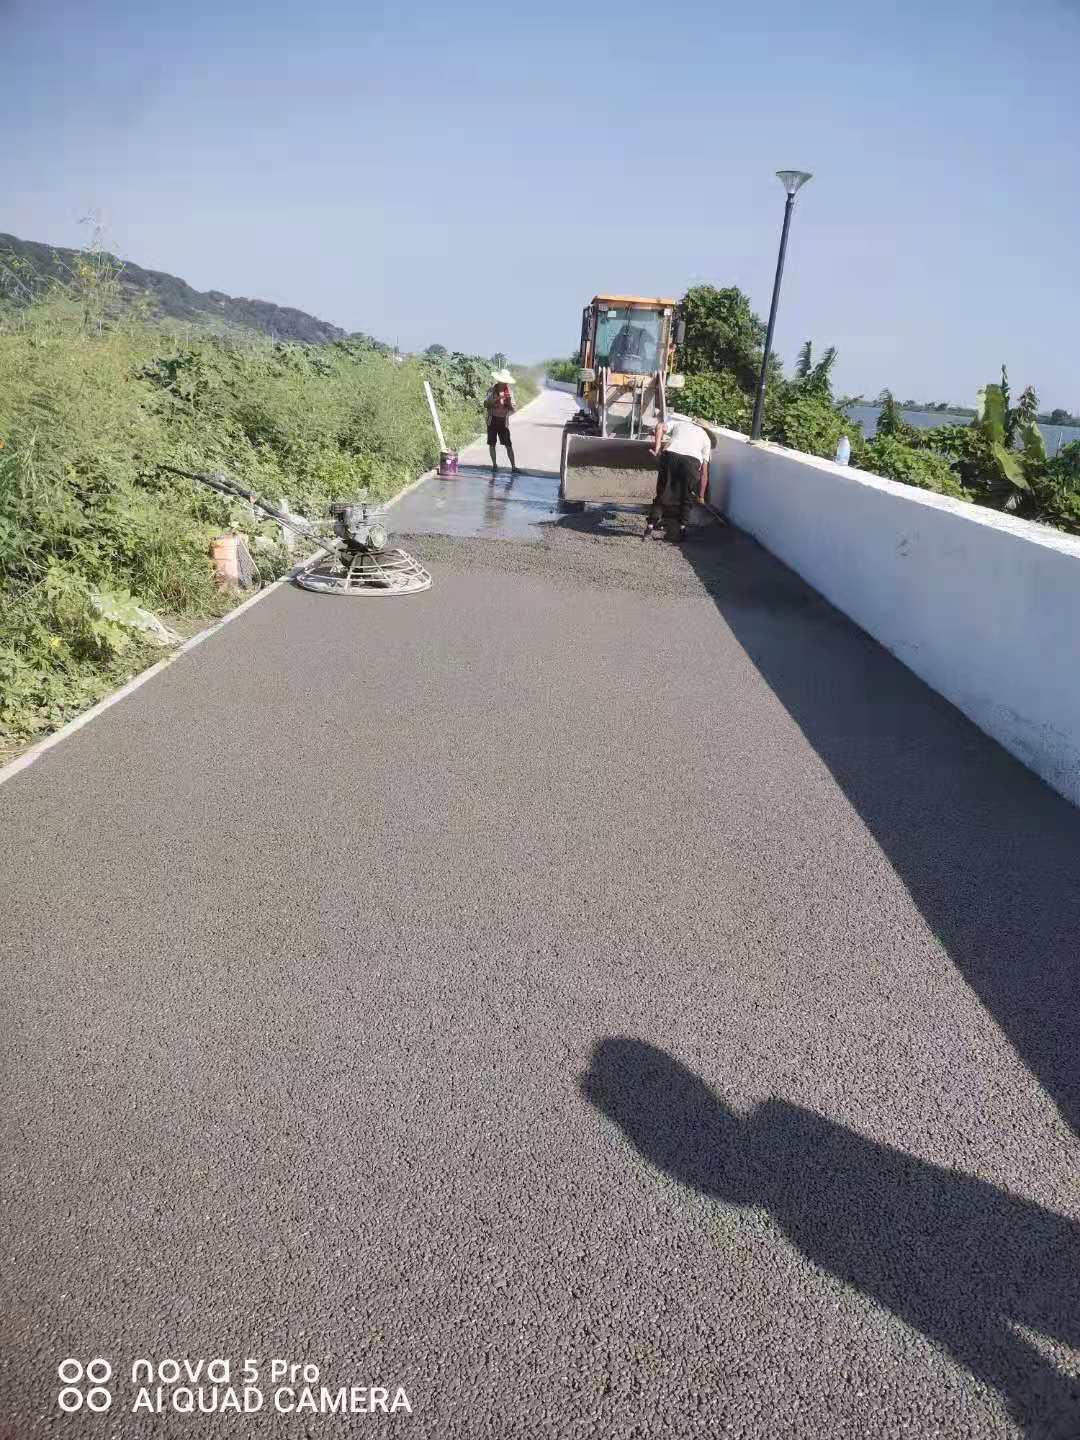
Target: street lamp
x,y
792,181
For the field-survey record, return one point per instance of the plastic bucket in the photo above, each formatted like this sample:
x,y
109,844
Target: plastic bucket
x,y
226,561
448,462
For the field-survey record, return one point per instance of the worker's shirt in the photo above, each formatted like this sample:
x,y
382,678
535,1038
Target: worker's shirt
x,y
498,409
683,437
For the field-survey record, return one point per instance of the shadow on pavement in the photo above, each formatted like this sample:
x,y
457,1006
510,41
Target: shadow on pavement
x,y
605,522
990,854
955,1257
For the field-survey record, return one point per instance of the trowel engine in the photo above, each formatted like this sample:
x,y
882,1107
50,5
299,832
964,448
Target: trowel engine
x,y
356,530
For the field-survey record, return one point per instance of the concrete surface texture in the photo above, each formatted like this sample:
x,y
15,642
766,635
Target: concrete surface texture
x,y
607,995
980,605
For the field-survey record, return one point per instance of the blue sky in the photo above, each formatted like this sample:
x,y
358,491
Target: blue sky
x,y
472,173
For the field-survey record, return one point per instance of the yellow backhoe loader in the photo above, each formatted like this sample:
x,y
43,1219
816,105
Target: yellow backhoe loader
x,y
627,367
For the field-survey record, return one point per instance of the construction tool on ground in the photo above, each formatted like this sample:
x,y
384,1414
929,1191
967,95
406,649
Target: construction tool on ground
x,y
627,367
358,558
448,459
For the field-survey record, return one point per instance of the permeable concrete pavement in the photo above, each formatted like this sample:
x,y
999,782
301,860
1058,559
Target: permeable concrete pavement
x,y
605,995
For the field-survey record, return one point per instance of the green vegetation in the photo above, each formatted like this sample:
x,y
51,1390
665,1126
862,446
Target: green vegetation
x,y
890,456
30,271
563,370
92,402
716,395
723,336
999,460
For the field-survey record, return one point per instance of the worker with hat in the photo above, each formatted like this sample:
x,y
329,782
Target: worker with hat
x,y
498,407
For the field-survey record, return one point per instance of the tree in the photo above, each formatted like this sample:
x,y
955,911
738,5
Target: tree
x,y
1060,417
891,420
435,351
816,376
723,333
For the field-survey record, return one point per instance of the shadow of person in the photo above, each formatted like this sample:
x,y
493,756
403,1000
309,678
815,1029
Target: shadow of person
x,y
959,1259
989,854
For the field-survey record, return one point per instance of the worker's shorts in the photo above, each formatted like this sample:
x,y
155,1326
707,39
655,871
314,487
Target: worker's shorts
x,y
499,429
676,487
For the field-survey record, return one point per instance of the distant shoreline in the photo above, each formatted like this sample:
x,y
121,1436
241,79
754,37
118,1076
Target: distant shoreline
x,y
865,416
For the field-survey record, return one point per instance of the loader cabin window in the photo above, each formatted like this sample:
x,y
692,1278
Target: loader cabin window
x,y
628,340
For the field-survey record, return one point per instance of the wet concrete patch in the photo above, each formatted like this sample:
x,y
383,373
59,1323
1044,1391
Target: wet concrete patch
x,y
476,505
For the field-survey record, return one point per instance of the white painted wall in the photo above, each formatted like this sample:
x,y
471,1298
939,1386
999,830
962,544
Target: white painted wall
x,y
983,607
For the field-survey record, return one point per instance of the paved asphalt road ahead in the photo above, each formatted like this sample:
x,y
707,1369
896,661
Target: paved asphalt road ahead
x,y
606,995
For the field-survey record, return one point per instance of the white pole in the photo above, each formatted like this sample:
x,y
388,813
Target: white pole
x,y
434,414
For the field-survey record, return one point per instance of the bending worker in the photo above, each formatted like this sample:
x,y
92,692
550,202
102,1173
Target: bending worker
x,y
684,449
498,407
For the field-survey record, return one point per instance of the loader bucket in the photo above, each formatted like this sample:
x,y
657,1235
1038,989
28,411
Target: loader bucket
x,y
606,471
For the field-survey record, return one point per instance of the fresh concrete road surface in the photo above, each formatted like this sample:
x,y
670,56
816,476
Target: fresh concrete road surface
x,y
604,996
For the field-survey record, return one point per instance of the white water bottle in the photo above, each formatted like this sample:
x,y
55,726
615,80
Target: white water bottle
x,y
843,451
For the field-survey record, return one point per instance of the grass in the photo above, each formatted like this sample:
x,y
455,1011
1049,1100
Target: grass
x,y
91,405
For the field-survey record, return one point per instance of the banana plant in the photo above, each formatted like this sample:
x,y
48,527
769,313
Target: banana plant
x,y
1003,427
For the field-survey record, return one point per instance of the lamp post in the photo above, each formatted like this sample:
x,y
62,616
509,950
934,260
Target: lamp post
x,y
792,181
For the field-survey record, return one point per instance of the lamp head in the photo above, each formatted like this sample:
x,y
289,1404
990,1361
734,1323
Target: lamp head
x,y
793,180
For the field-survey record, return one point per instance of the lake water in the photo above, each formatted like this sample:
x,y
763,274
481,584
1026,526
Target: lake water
x,y
867,416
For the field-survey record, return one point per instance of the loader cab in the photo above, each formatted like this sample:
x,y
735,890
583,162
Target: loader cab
x,y
630,339
627,335
627,351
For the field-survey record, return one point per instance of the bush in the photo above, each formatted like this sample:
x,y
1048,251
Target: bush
x,y
890,456
715,396
805,419
1064,468
563,370
89,410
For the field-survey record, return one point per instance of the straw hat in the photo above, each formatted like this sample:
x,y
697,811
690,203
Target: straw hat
x,y
503,377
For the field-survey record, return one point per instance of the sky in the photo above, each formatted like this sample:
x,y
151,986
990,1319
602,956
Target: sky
x,y
473,173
